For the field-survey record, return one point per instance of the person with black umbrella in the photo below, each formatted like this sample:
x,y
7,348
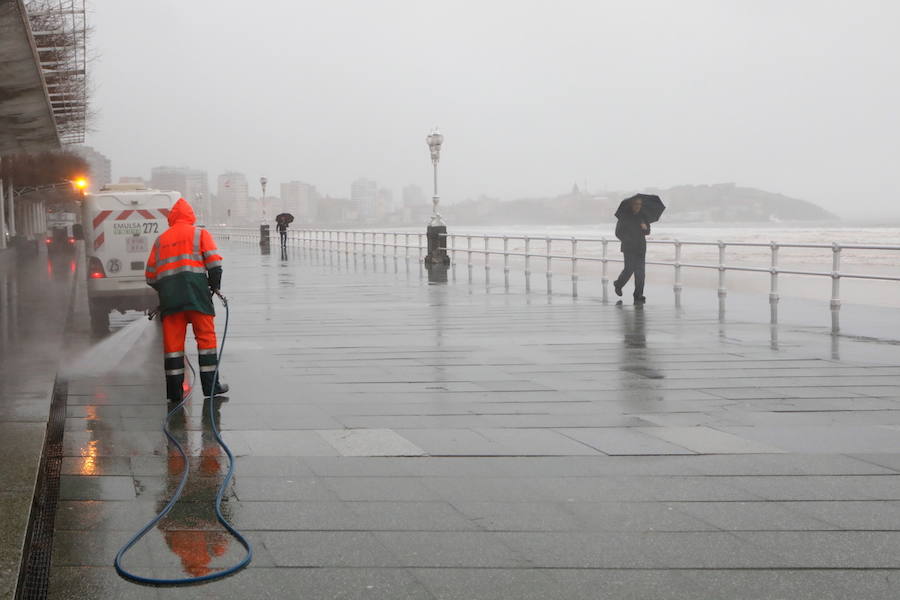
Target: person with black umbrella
x,y
281,224
634,217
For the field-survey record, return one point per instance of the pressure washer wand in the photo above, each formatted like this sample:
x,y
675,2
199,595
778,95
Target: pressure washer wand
x,y
221,297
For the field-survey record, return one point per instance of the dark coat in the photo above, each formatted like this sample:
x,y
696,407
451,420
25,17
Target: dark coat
x,y
629,231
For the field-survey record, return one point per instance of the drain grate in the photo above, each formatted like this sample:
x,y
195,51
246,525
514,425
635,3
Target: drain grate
x,y
34,576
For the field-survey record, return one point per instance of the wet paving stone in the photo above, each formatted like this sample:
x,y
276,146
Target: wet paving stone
x,y
81,487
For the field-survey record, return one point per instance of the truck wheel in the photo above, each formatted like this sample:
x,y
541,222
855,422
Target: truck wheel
x,y
99,318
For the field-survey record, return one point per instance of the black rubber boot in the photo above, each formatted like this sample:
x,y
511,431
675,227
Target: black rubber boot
x,y
175,388
174,367
207,380
617,287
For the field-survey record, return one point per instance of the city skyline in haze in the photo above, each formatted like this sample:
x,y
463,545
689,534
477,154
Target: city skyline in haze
x,y
798,98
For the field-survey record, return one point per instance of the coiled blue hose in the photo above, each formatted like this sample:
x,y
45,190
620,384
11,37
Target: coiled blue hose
x,y
184,477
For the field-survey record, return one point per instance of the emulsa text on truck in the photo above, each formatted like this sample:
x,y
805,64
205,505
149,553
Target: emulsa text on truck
x,y
121,223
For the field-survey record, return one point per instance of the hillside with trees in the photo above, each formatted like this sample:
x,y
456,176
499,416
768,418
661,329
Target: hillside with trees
x,y
716,203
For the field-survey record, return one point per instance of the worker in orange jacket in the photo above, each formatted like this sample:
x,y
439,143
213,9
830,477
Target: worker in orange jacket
x,y
185,269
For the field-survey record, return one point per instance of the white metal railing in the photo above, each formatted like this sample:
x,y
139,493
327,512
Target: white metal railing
x,y
365,243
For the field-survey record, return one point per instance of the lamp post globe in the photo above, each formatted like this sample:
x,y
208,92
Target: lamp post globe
x,y
434,141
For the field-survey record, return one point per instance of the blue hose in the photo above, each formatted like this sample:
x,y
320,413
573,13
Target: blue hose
x,y
184,477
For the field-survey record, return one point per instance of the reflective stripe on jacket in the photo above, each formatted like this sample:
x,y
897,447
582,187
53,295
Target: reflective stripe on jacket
x,y
179,262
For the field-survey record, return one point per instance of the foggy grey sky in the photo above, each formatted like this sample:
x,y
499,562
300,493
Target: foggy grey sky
x,y
794,96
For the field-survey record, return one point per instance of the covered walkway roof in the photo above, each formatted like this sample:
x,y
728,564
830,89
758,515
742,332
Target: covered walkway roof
x,y
42,71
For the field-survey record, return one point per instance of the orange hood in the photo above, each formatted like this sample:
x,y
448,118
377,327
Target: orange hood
x,y
182,213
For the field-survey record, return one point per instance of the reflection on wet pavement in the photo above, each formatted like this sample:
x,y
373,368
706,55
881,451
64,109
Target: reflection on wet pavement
x,y
193,534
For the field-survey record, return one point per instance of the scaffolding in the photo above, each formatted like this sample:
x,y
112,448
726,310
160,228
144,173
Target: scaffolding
x,y
60,32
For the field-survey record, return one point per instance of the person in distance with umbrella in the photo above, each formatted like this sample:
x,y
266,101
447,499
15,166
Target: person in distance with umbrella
x,y
281,224
634,217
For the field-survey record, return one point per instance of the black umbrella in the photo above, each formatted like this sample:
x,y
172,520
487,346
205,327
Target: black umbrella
x,y
285,217
651,207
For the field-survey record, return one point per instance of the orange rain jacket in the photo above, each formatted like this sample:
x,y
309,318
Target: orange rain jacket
x,y
184,264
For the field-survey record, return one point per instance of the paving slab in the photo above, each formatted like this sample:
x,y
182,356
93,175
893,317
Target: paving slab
x,y
370,442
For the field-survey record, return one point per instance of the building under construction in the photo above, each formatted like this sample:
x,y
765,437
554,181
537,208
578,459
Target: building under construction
x,y
43,97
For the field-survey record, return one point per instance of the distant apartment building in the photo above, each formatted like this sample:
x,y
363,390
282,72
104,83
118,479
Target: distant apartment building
x,y
99,165
259,209
193,184
413,196
301,200
231,199
363,193
337,211
133,180
416,206
384,203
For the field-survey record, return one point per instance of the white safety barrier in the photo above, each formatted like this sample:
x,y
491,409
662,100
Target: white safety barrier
x,y
365,243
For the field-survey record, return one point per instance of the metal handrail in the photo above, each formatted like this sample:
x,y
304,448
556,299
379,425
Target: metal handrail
x,y
349,241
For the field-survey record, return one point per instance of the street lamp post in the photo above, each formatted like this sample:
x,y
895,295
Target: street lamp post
x,y
437,229
262,182
201,208
264,226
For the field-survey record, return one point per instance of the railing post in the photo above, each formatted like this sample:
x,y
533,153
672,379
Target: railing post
x,y
506,262
487,262
395,252
421,261
384,247
527,265
773,285
604,277
549,272
574,267
835,287
469,256
676,286
722,291
453,256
